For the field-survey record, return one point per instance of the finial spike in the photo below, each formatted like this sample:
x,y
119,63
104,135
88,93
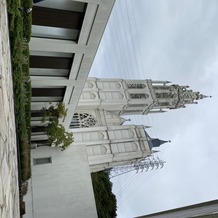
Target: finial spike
x,y
146,127
162,111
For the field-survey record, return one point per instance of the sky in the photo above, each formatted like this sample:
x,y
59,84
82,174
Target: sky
x,y
177,41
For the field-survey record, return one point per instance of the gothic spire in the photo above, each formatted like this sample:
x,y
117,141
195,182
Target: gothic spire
x,y
187,96
155,142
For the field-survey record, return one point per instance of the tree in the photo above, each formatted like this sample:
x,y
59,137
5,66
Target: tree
x,y
56,132
105,200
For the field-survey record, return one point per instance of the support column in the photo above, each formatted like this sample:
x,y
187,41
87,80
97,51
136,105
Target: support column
x,y
42,81
54,45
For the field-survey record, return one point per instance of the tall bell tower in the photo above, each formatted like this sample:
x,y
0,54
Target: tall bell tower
x,y
113,146
133,97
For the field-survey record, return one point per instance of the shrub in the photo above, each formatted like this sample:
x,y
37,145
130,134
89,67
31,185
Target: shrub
x,y
56,132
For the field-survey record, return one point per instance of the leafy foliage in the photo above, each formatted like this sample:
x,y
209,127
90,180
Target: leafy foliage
x,y
106,202
57,110
56,132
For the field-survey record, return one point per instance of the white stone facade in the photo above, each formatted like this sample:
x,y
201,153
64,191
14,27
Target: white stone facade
x,y
113,146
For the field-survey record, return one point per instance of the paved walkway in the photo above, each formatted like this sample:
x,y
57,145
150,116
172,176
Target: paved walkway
x,y
9,192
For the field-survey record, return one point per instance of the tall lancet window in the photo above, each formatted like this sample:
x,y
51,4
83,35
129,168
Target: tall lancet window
x,y
164,104
137,105
82,120
136,86
162,87
139,95
165,95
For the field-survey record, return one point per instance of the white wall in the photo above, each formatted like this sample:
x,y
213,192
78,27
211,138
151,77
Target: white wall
x,y
62,188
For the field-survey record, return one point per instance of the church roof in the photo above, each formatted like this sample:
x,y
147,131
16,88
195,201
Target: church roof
x,y
154,142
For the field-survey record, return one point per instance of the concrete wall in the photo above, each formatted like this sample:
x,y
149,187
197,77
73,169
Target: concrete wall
x,y
96,16
62,188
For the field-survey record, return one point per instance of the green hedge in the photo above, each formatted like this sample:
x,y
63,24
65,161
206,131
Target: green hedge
x,y
20,33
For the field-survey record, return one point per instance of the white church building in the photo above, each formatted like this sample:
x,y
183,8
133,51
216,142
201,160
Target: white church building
x,y
65,38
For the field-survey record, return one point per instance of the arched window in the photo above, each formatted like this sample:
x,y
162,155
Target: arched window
x,y
137,105
132,112
162,87
81,120
136,86
165,95
139,96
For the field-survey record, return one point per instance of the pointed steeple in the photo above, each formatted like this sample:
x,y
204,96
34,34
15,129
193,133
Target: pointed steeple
x,y
156,142
175,96
188,96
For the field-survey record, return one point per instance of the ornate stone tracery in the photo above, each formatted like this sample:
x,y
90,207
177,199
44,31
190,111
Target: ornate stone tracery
x,y
139,95
81,120
161,87
165,95
136,86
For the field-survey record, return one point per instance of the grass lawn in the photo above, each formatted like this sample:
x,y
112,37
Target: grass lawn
x,y
20,32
